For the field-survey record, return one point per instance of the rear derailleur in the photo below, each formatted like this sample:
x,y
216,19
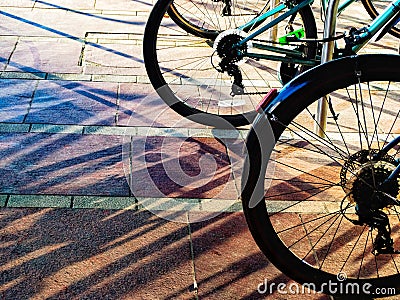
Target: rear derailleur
x,y
233,70
378,220
366,178
231,53
227,9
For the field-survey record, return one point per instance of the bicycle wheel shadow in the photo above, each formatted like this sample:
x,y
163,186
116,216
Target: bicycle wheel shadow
x,y
92,254
96,254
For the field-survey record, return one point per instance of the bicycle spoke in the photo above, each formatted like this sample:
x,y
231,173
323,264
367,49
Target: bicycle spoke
x,y
323,216
332,241
314,244
296,202
304,172
340,152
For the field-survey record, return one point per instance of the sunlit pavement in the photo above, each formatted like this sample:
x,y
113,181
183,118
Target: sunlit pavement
x,y
76,107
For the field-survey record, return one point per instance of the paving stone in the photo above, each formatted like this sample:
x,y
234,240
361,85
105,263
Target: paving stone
x,y
114,78
8,128
183,210
28,22
7,45
116,57
77,24
69,77
61,55
38,201
131,97
164,132
15,97
23,75
61,164
181,168
145,5
13,111
3,200
65,4
47,128
83,103
104,202
70,24
10,88
17,3
141,106
107,130
143,79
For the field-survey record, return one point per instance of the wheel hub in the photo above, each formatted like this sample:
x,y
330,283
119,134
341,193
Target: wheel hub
x,y
225,45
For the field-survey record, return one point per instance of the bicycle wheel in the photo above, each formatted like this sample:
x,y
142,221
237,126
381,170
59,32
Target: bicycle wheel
x,y
375,7
185,68
207,18
314,205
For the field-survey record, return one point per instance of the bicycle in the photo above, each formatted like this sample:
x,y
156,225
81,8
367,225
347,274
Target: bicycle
x,y
190,88
322,209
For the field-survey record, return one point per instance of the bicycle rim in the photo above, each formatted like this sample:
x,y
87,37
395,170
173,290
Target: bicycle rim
x,y
300,211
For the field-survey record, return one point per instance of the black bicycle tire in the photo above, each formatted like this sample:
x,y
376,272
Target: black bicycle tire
x,y
315,83
157,80
373,13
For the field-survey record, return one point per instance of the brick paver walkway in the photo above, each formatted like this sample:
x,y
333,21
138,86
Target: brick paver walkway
x,y
73,88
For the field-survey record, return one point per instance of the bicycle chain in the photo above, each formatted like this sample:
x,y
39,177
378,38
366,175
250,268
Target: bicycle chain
x,y
330,39
299,41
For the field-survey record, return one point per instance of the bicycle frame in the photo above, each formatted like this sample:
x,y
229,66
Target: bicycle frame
x,y
264,16
385,150
386,17
281,7
254,23
363,36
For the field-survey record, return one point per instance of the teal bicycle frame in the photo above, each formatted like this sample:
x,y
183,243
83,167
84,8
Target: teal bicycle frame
x,y
295,9
278,9
389,16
